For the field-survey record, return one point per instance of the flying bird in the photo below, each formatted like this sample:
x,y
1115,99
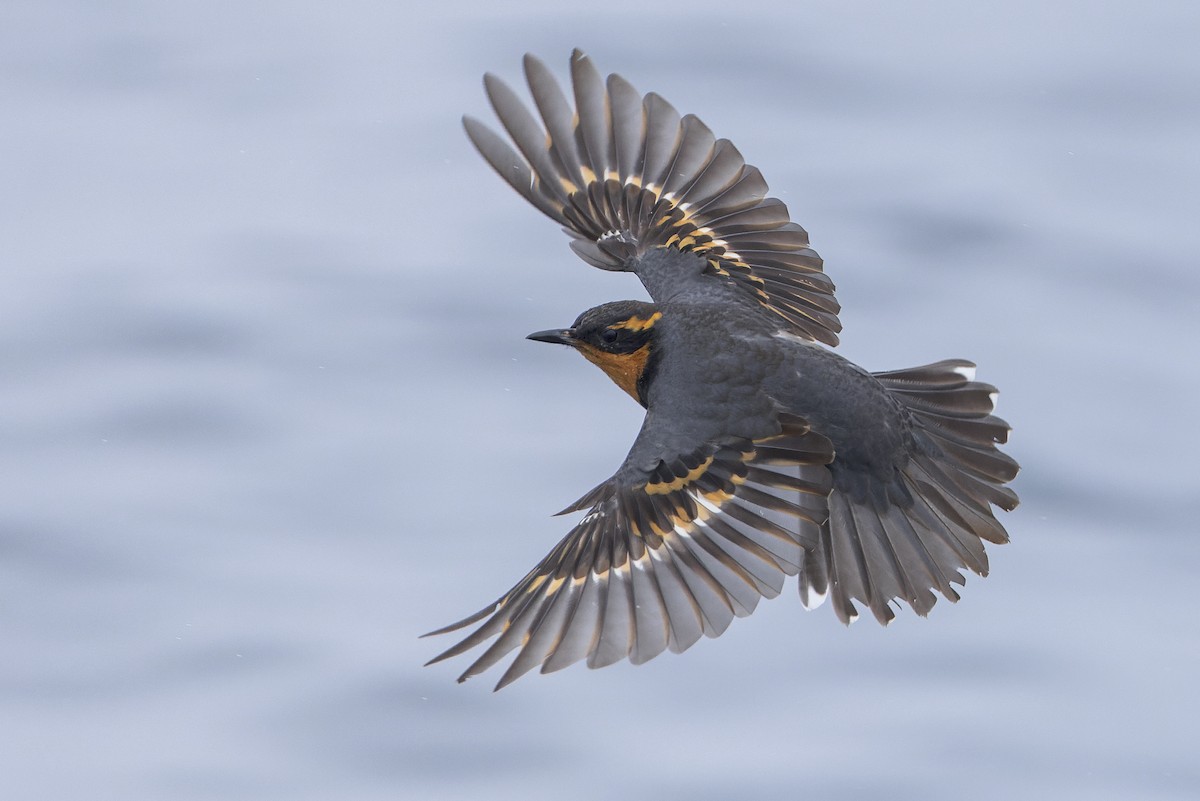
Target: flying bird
x,y
763,454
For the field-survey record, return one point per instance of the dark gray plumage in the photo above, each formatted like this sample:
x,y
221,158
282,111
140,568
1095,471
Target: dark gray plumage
x,y
762,453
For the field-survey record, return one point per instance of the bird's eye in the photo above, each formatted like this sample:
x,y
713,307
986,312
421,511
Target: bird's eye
x,y
608,335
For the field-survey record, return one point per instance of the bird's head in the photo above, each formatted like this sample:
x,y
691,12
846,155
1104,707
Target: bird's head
x,y
617,337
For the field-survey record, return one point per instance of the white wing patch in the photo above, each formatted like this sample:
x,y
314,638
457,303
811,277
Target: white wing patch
x,y
967,372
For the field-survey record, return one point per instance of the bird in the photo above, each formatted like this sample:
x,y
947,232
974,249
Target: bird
x,y
763,454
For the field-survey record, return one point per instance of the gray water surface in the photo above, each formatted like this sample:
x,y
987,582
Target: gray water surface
x,y
267,413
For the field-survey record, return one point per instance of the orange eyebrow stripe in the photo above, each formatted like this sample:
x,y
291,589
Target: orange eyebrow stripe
x,y
637,323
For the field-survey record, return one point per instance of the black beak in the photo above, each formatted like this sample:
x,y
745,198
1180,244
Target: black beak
x,y
558,336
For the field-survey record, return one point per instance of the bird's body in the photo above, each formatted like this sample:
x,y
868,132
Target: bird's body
x,y
763,453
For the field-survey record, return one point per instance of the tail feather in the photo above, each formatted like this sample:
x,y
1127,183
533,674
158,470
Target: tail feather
x,y
939,513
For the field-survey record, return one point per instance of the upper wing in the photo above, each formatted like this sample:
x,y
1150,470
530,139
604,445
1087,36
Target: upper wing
x,y
664,554
625,174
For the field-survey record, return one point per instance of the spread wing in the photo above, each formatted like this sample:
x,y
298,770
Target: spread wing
x,y
626,176
674,546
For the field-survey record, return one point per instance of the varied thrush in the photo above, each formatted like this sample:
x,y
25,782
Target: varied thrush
x,y
763,454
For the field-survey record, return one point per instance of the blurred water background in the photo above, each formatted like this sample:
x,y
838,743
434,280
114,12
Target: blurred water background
x,y
267,412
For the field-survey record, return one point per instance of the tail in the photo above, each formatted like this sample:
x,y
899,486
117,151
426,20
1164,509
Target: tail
x,y
933,518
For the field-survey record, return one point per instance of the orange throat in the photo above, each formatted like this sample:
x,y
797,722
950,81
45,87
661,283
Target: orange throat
x,y
625,369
